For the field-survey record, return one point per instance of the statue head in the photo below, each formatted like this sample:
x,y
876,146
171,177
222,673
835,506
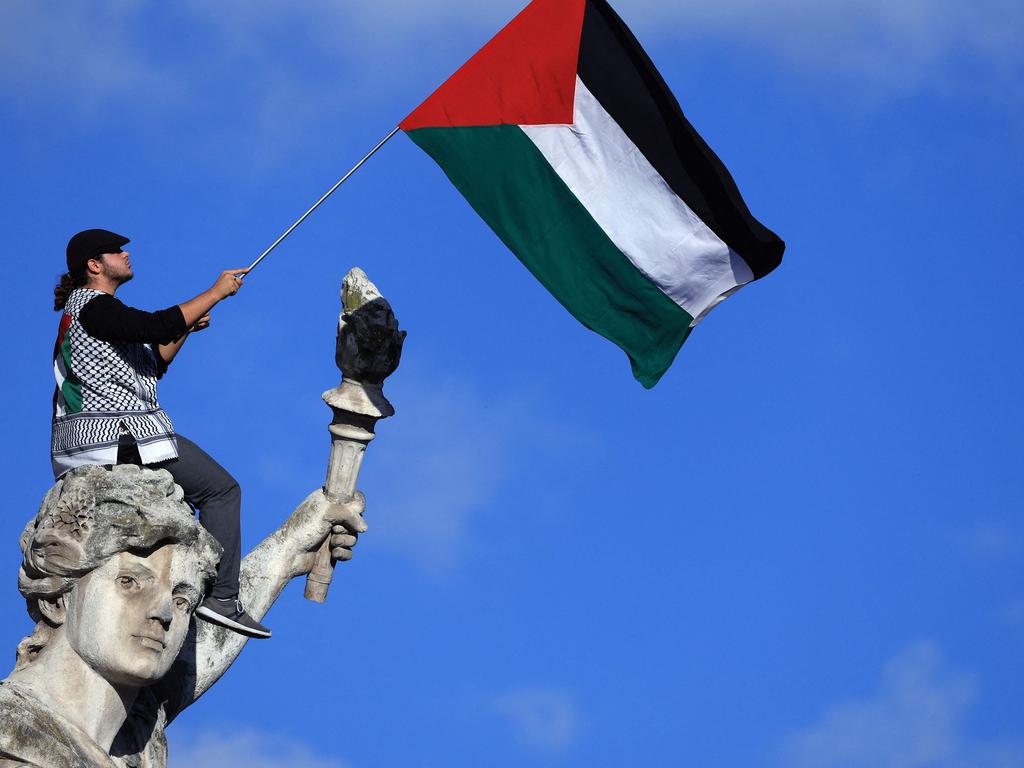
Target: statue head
x,y
116,562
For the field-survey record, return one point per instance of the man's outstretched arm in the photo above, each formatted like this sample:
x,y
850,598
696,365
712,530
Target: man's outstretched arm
x,y
196,312
227,285
108,319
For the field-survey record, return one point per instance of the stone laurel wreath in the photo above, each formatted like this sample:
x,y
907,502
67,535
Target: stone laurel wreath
x,y
71,516
89,516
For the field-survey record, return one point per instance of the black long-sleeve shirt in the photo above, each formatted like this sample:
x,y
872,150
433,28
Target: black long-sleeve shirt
x,y
108,319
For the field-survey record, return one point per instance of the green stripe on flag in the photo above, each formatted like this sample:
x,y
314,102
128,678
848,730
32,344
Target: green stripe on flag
x,y
71,388
514,189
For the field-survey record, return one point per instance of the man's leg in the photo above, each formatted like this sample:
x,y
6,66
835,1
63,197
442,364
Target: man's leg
x,y
128,451
214,492
211,488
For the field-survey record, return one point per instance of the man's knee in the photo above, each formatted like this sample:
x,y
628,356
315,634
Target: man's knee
x,y
230,491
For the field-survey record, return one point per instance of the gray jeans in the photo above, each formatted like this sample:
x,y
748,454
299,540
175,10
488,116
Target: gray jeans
x,y
210,489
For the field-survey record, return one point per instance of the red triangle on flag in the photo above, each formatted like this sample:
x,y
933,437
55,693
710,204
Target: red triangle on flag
x,y
526,75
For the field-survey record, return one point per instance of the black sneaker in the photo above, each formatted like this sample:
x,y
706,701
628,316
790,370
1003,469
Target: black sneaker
x,y
230,613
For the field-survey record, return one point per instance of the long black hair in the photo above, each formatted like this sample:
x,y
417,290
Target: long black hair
x,y
67,283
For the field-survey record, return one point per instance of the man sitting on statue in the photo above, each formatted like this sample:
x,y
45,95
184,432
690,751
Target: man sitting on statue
x,y
107,360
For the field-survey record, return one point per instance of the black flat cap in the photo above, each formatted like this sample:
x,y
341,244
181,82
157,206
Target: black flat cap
x,y
92,243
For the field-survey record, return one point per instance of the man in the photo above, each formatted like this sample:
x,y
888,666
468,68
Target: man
x,y
107,360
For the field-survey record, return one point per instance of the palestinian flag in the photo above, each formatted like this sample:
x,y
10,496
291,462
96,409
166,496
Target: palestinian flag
x,y
565,139
67,398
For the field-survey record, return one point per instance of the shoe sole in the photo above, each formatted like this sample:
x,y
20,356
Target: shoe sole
x,y
215,618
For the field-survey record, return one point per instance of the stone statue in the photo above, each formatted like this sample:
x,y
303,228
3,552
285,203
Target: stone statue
x,y
114,564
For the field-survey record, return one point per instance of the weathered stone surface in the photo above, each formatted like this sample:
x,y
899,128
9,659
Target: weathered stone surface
x,y
114,565
369,343
368,349
92,513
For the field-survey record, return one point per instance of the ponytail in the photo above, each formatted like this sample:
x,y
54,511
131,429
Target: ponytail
x,y
63,289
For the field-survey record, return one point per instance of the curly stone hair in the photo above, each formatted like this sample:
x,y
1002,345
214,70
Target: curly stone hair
x,y
91,514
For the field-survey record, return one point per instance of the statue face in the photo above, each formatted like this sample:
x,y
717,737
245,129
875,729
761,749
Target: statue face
x,y
128,618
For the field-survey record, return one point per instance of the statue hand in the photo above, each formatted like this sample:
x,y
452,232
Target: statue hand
x,y
342,522
347,524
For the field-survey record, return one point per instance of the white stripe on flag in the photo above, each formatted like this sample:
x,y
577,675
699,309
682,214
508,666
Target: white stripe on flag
x,y
638,211
61,376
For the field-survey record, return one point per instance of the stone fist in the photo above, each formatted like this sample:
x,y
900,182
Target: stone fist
x,y
318,518
348,525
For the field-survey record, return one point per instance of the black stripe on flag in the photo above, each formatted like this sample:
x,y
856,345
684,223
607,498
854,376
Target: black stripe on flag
x,y
623,79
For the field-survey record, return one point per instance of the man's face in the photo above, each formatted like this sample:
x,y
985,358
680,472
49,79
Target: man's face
x,y
116,267
128,618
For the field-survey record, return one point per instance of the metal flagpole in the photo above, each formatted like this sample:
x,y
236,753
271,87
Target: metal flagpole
x,y
316,205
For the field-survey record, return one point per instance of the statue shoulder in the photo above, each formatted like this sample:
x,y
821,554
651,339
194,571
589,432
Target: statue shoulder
x,y
33,735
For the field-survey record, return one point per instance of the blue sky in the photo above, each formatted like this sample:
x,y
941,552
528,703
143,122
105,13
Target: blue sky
x,y
803,548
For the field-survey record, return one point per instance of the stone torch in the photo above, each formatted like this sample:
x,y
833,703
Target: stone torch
x,y
369,347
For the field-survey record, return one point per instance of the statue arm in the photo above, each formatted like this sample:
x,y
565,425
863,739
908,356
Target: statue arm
x,y
286,553
368,349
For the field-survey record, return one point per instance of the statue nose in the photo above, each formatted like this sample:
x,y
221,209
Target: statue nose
x,y
162,611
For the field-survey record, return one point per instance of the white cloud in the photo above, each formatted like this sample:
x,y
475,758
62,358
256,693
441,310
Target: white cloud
x,y
544,718
897,45
1015,612
286,61
863,35
990,541
451,449
85,56
917,719
881,44
447,463
248,748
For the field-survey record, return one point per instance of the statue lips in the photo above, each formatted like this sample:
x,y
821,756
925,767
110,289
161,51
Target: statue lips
x,y
151,641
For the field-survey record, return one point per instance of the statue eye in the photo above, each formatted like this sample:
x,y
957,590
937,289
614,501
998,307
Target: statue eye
x,y
182,604
127,582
